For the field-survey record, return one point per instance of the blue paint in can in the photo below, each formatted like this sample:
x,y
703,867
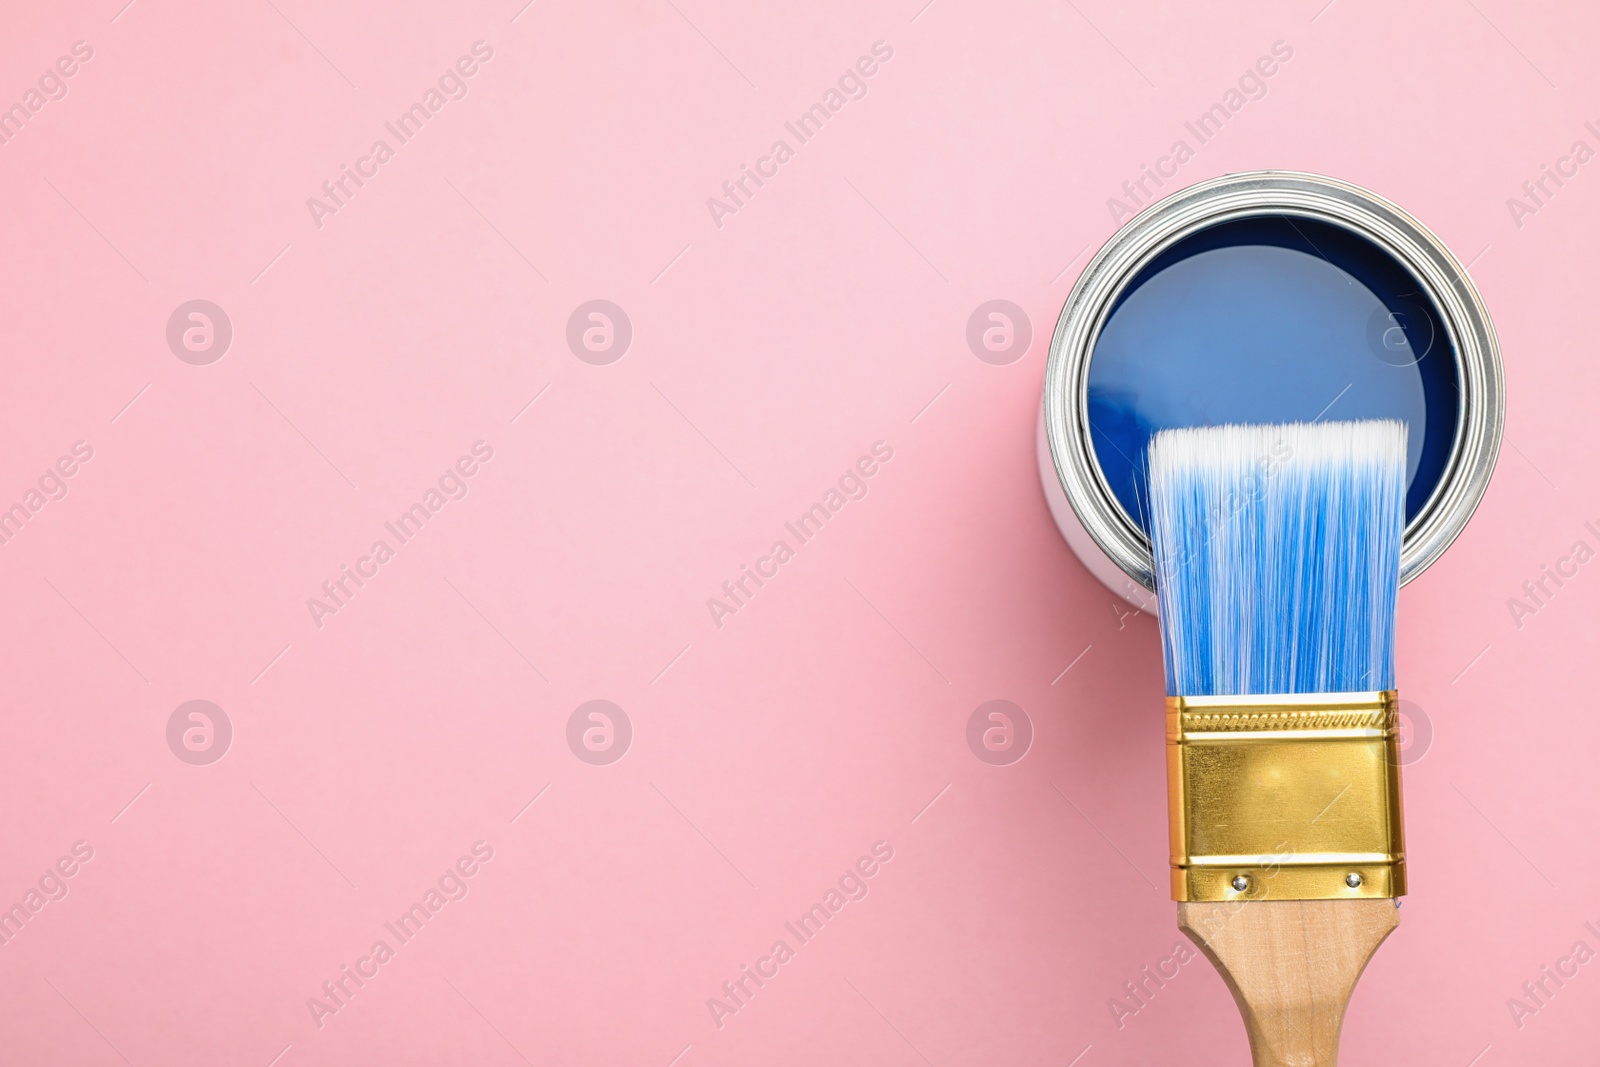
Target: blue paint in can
x,y
1271,319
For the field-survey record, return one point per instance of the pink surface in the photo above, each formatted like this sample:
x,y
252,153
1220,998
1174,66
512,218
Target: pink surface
x,y
374,744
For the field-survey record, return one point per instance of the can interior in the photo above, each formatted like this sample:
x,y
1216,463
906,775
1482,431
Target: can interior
x,y
1271,318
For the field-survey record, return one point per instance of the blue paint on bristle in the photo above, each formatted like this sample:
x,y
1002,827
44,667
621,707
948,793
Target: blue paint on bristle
x,y
1277,553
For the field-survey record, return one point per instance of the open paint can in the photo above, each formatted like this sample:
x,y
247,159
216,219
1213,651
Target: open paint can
x,y
1271,296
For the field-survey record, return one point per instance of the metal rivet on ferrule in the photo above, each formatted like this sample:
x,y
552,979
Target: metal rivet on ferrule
x,y
1353,880
1240,883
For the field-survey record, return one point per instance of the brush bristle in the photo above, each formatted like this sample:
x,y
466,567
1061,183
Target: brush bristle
x,y
1277,552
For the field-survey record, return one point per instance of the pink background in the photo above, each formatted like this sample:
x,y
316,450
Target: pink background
x,y
767,355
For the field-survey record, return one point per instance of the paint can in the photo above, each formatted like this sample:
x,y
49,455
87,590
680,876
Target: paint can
x,y
1270,296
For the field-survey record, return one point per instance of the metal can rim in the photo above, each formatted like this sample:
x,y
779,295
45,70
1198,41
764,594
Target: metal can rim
x,y
1479,418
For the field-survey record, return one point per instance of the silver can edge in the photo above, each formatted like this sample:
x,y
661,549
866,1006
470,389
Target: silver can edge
x,y
1480,415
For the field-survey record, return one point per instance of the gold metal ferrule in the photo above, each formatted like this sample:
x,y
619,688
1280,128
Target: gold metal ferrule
x,y
1289,797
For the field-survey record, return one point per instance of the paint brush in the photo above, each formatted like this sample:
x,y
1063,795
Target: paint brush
x,y
1277,562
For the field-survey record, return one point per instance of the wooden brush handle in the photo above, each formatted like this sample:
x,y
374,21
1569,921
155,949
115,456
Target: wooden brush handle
x,y
1291,965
